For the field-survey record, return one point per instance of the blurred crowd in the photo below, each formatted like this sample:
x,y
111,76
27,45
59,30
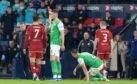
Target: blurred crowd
x,y
66,2
80,30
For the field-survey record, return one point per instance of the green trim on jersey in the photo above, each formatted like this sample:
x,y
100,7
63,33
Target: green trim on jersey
x,y
90,60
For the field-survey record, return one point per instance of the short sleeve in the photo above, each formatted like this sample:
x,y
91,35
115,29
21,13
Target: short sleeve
x,y
81,61
61,26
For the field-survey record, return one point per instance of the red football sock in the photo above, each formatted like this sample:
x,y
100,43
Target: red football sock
x,y
33,68
38,69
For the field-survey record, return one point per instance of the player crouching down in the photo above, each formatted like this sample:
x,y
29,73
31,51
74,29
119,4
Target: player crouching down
x,y
95,64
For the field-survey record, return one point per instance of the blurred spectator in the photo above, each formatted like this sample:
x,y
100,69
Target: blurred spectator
x,y
30,12
11,54
117,65
79,15
67,23
8,20
109,19
1,51
68,39
132,46
36,3
16,5
19,37
21,13
86,44
80,32
54,3
43,13
27,1
1,33
75,33
82,1
65,2
47,2
3,5
2,59
133,18
92,29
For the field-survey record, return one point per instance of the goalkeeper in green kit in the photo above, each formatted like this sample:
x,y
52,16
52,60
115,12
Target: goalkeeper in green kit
x,y
95,64
56,28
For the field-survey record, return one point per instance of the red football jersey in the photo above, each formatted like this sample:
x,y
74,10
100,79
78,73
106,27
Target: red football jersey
x,y
35,38
104,36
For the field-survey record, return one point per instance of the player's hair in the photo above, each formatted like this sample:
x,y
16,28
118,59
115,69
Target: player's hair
x,y
119,37
54,11
35,18
86,32
74,51
9,7
108,12
30,1
103,23
135,31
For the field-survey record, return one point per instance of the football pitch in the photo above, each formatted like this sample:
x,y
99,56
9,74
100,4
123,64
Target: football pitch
x,y
67,81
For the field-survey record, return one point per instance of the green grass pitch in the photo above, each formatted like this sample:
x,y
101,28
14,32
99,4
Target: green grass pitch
x,y
68,81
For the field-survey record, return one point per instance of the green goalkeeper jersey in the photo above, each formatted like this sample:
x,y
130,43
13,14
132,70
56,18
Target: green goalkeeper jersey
x,y
89,60
56,27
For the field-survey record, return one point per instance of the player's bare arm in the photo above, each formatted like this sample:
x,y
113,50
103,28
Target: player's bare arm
x,y
95,45
75,69
62,40
48,23
85,72
47,26
112,47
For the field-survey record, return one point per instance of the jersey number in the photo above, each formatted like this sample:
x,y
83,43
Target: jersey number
x,y
36,33
105,37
